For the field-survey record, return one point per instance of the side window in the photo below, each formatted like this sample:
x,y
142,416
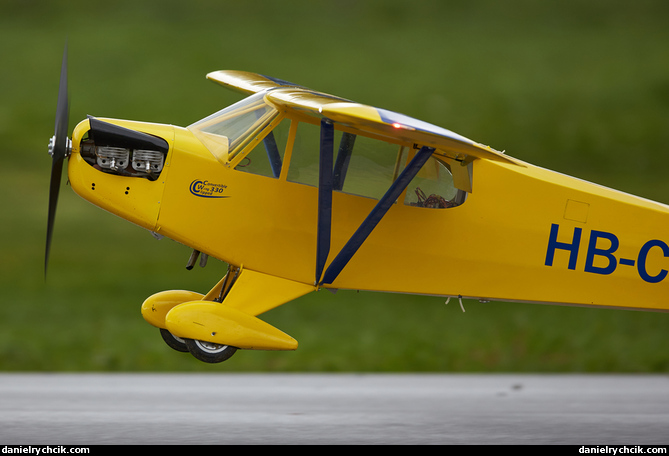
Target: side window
x,y
433,187
305,155
367,167
362,166
370,168
266,157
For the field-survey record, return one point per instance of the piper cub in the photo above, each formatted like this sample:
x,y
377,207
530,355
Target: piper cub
x,y
350,196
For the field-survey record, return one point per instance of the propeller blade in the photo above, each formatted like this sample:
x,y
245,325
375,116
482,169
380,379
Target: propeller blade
x,y
54,187
58,148
62,112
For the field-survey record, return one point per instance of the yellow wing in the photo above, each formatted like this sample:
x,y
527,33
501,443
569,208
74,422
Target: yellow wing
x,y
246,82
365,118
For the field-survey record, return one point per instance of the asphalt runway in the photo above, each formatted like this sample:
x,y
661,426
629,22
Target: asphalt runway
x,y
94,409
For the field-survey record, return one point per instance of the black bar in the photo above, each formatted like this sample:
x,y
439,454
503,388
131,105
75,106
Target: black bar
x,y
343,158
324,196
273,154
375,216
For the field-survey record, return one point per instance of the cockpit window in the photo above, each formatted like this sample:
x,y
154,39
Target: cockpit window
x,y
226,132
433,187
362,166
252,137
367,167
266,157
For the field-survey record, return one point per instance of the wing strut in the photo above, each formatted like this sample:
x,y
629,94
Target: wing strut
x,y
272,150
374,217
343,158
273,154
324,196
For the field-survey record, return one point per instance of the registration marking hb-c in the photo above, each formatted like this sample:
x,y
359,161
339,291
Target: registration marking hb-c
x,y
600,256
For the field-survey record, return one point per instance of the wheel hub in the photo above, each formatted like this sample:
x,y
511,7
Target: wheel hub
x,y
68,146
210,347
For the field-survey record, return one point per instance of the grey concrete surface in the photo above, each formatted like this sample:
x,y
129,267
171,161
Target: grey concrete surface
x,y
93,409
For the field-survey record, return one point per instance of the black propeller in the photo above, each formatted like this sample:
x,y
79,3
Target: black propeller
x,y
59,148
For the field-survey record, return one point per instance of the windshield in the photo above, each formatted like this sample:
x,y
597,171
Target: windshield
x,y
226,132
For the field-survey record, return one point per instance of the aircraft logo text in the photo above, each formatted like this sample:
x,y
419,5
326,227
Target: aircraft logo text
x,y
206,189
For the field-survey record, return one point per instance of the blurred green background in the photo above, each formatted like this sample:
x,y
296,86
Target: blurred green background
x,y
581,87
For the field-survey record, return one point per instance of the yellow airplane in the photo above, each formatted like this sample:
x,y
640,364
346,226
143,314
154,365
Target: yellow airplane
x,y
298,190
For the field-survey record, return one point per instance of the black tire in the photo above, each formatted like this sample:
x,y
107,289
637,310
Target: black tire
x,y
209,352
174,342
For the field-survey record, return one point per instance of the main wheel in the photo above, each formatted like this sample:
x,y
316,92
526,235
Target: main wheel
x,y
176,343
209,352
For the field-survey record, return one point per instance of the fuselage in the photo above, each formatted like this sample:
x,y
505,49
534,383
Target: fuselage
x,y
523,233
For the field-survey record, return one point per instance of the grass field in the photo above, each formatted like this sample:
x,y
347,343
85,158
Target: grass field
x,y
581,87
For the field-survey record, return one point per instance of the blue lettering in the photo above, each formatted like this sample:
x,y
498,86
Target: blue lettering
x,y
593,251
572,247
643,255
606,253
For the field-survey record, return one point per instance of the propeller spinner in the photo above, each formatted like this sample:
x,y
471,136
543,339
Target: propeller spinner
x,y
60,147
